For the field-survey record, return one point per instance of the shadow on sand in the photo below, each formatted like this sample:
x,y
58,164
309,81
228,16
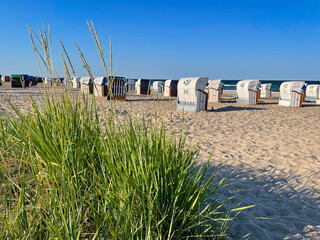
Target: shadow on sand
x,y
281,212
233,108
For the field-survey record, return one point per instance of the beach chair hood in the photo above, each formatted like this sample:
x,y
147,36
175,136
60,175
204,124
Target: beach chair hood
x,y
313,90
286,88
216,83
100,80
85,80
188,87
244,86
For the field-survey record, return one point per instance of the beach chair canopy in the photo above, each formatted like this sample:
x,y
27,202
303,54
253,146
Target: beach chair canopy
x,y
215,84
170,87
265,86
157,84
244,86
75,79
144,84
313,90
85,80
100,80
188,87
171,83
286,88
116,78
20,76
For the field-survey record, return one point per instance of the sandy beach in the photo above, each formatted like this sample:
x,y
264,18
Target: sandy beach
x,y
272,153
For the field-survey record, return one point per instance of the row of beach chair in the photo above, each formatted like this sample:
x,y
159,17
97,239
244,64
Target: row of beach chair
x,y
195,93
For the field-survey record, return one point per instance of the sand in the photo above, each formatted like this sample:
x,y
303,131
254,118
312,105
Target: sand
x,y
273,153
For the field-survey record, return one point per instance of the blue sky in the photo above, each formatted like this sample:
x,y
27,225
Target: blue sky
x,y
228,39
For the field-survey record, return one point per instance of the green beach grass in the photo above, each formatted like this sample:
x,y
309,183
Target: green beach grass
x,y
67,173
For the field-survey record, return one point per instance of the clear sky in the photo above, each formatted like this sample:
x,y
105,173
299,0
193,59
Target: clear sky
x,y
228,39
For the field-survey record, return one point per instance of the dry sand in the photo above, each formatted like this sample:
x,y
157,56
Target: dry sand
x,y
273,153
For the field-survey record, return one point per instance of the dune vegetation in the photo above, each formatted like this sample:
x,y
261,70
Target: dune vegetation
x,y
67,172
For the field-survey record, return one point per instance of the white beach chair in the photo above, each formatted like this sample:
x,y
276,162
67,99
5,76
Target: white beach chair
x,y
130,85
191,94
248,91
48,81
76,82
291,94
67,83
100,86
265,90
312,93
143,86
157,86
214,90
86,85
170,88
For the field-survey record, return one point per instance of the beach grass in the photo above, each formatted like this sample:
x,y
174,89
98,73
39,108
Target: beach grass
x,y
80,175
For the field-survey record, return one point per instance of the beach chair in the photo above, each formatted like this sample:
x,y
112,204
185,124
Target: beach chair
x,y
312,93
39,79
214,90
56,81
7,78
68,84
48,81
130,85
157,86
32,81
75,82
265,90
170,88
86,85
291,94
18,81
191,94
100,86
143,86
117,87
248,91
318,99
